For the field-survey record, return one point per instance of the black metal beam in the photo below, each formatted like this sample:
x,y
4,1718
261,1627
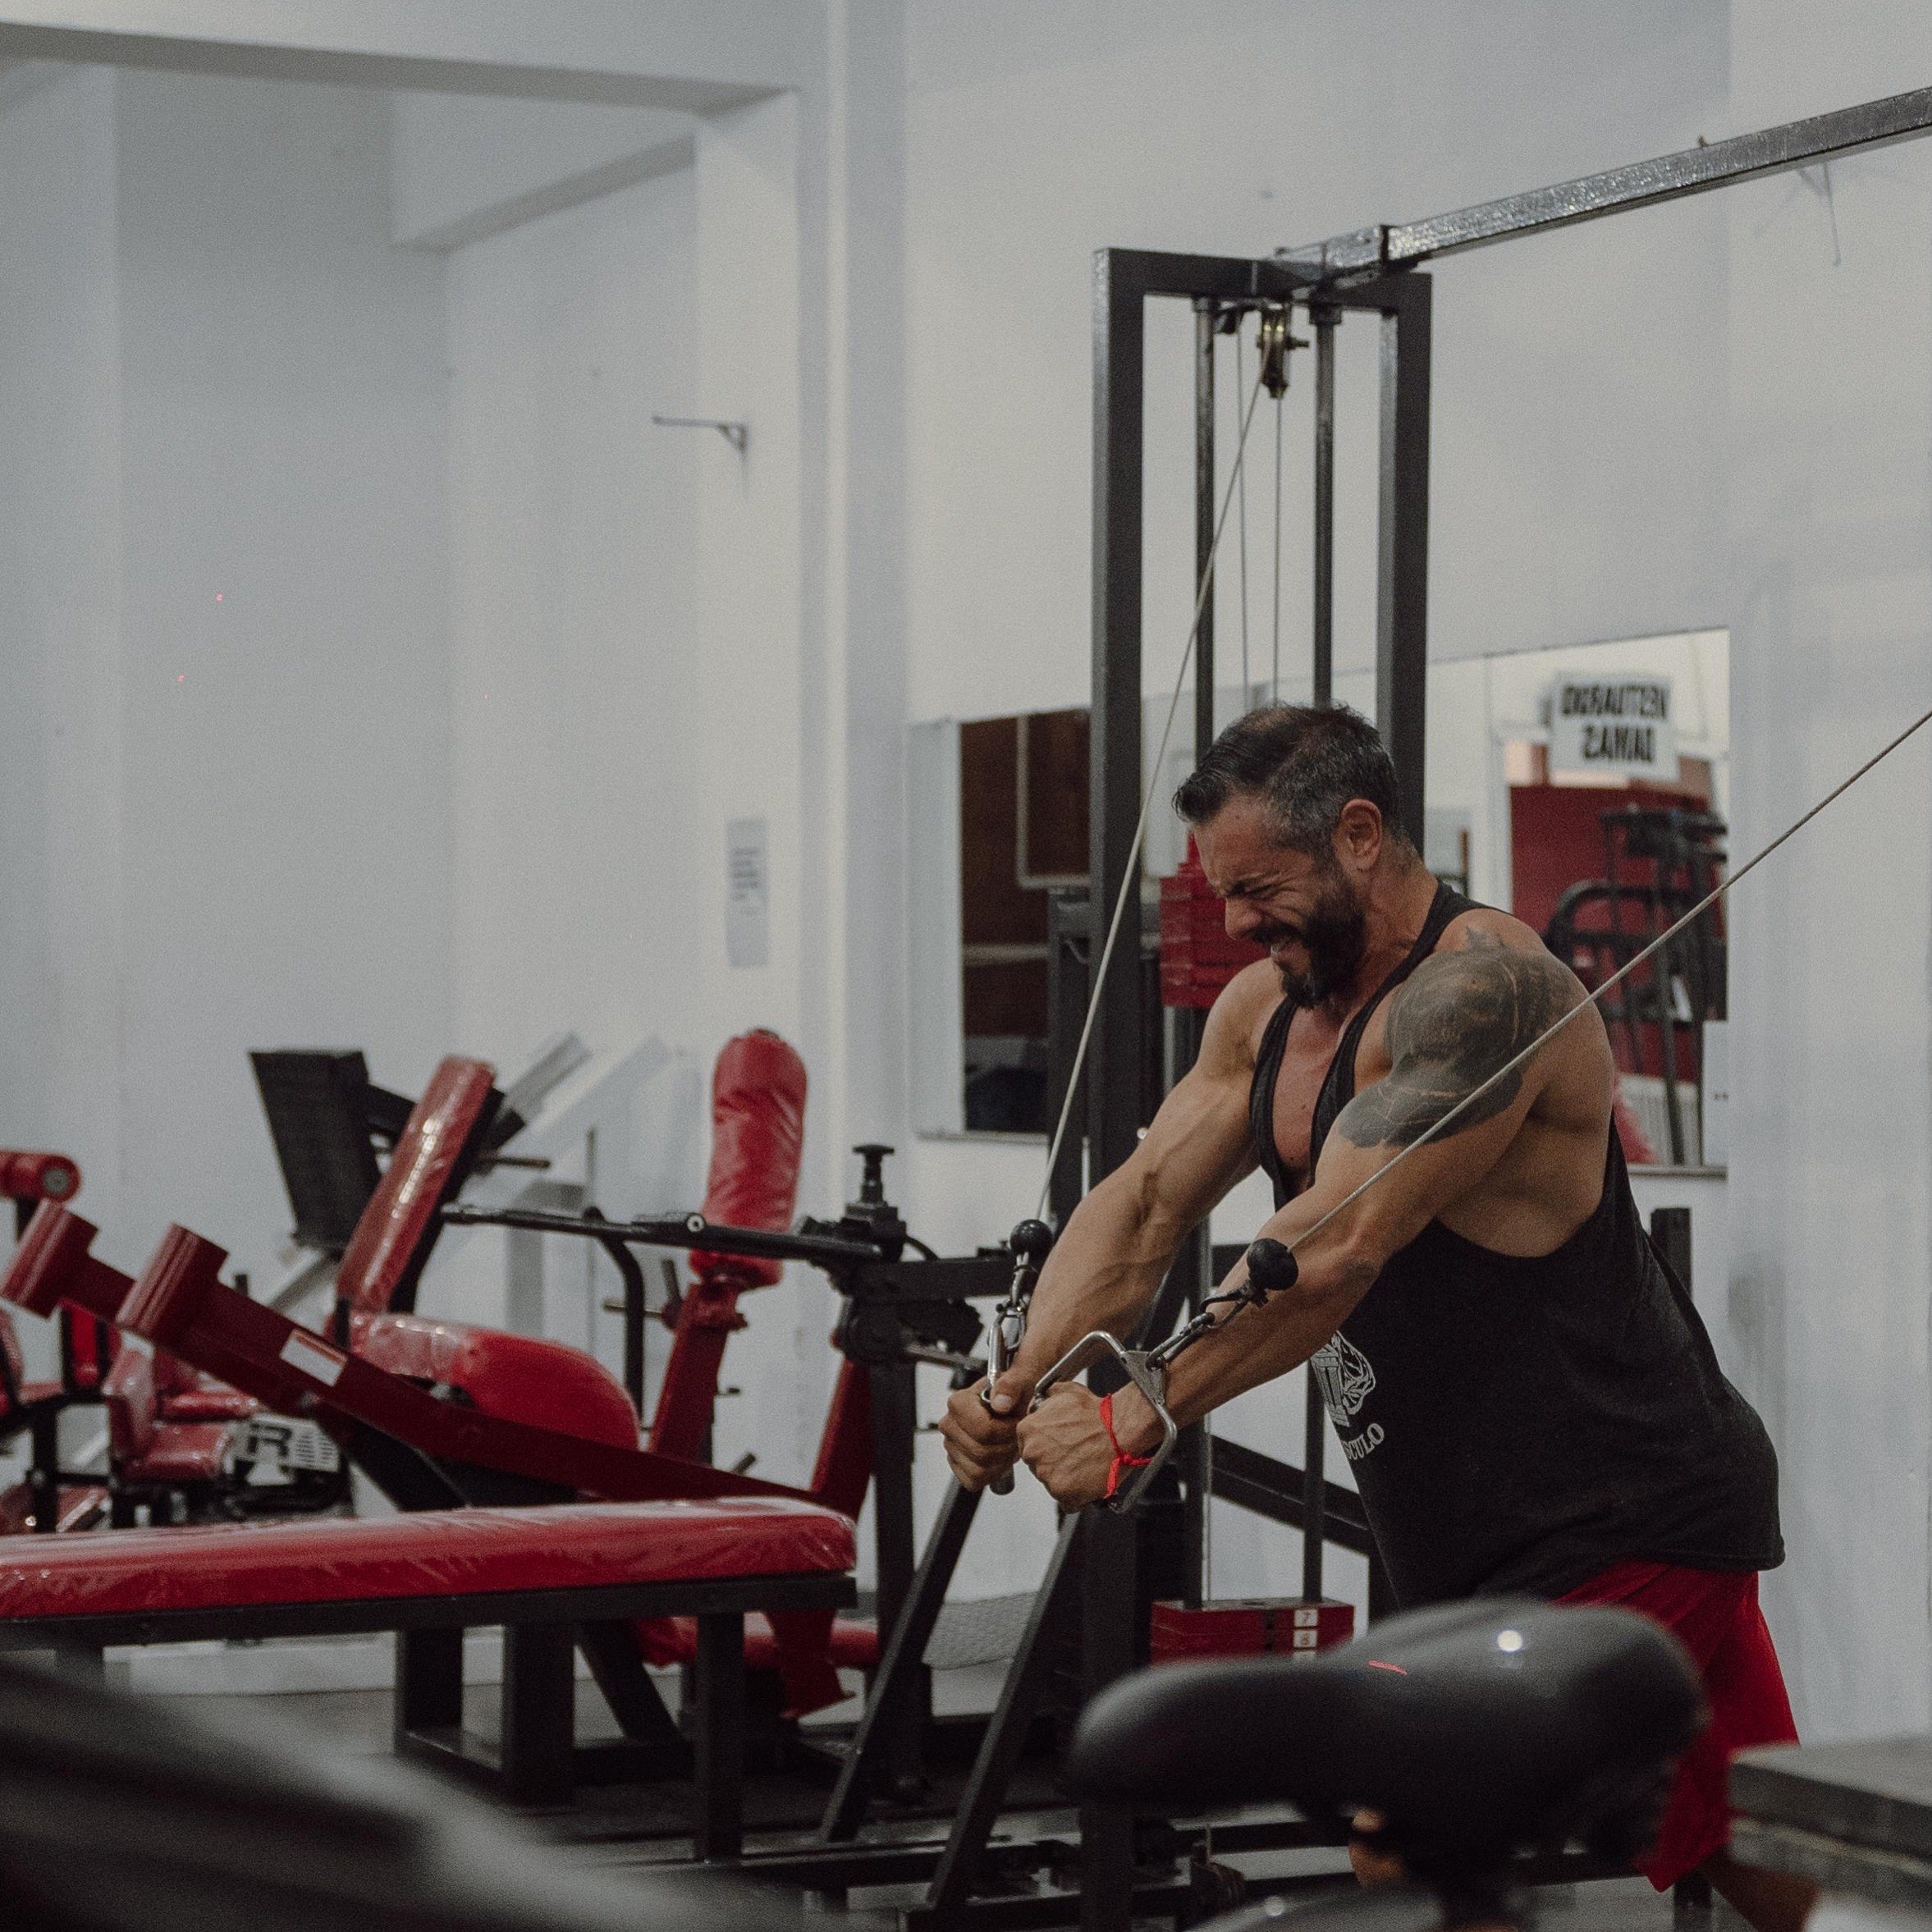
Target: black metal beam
x,y
1639,184
1278,1491
1114,1075
1401,554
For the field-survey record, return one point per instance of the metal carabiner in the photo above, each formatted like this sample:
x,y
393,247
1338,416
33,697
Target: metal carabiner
x,y
1031,1243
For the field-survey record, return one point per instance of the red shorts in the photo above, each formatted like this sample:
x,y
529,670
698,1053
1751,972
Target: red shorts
x,y
1714,1614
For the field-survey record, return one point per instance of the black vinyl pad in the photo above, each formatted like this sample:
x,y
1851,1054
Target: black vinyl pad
x,y
1493,1723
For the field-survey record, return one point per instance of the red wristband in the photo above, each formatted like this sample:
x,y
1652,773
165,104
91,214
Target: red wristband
x,y
1121,1460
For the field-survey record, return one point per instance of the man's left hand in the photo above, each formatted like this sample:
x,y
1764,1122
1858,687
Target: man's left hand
x,y
1064,1443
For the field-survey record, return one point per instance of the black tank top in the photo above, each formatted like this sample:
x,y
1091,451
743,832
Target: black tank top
x,y
1521,1423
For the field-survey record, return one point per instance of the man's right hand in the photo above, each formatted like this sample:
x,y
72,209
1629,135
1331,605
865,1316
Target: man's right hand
x,y
982,1443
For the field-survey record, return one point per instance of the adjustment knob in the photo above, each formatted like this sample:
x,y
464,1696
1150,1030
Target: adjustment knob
x,y
872,1181
1271,1267
1031,1243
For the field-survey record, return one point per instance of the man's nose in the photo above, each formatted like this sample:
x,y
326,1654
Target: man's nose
x,y
1241,921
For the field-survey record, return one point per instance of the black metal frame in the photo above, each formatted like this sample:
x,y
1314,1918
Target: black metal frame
x,y
538,1762
896,1310
1373,270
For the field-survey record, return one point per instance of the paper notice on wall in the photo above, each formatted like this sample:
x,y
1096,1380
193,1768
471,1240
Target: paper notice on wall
x,y
1615,726
748,893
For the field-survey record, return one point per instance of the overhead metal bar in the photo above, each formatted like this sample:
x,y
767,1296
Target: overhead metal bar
x,y
1639,184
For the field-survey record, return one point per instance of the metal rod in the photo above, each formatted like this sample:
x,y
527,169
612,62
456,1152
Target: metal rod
x,y
1112,1024
1205,319
895,1683
1323,653
1116,818
1314,1488
1640,184
1027,1680
1275,650
1402,562
684,1230
737,434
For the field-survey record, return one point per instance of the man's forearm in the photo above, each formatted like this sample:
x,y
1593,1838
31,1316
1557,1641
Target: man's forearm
x,y
1255,1345
1103,1273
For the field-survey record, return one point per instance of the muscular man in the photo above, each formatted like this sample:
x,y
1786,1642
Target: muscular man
x,y
1527,1395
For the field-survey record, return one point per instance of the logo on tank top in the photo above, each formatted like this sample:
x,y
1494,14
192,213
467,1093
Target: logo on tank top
x,y
1346,1378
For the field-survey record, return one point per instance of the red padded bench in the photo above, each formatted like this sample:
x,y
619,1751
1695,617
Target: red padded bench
x,y
547,1574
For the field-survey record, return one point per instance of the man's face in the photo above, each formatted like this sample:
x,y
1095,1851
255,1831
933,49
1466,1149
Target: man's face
x,y
1305,910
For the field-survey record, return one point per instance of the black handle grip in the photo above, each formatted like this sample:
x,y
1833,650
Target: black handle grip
x,y
1271,1267
1031,1243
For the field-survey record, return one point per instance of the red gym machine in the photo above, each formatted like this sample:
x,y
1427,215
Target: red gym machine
x,y
440,1415
87,1348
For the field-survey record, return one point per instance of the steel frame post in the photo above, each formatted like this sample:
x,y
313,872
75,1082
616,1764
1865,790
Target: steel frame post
x,y
1322,679
1402,572
1114,1070
894,1421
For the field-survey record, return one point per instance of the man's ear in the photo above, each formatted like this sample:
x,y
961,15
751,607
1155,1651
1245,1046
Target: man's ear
x,y
1359,837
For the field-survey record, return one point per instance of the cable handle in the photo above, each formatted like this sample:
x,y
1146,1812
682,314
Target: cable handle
x,y
1031,1243
1271,1270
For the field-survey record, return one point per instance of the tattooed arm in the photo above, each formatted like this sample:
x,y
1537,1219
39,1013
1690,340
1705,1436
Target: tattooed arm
x,y
1461,1016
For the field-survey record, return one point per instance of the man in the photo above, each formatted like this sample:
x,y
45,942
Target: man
x,y
1528,1397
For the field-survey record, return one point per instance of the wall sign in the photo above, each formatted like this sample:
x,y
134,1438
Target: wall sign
x,y
1615,726
748,893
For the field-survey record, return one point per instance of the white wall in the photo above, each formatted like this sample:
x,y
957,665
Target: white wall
x,y
1831,403
462,167
60,719
229,818
571,591
1577,380
285,664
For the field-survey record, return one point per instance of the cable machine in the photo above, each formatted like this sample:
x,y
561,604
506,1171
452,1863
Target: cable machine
x,y
1104,1066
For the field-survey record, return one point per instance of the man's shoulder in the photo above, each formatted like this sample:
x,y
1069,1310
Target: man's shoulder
x,y
1241,1014
1483,925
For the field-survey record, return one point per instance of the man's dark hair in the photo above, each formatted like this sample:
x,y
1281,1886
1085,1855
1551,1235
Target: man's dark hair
x,y
1304,762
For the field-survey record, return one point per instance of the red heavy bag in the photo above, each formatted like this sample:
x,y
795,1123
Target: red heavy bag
x,y
758,1117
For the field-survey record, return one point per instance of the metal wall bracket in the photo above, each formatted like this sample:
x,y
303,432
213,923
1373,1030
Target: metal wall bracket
x,y
737,434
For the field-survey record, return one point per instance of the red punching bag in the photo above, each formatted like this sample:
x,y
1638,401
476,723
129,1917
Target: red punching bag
x,y
758,1114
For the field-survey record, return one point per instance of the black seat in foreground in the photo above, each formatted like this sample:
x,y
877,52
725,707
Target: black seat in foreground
x,y
117,1813
1476,1729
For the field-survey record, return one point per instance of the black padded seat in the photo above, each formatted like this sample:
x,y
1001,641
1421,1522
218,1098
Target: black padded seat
x,y
1473,1727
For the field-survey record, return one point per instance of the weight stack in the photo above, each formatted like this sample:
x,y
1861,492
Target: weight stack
x,y
1247,1626
1197,959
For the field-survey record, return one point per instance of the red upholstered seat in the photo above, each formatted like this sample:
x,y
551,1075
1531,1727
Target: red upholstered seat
x,y
150,1441
178,1451
520,1377
454,1552
31,1394
185,1394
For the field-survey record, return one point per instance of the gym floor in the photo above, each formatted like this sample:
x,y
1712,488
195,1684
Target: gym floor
x,y
621,1831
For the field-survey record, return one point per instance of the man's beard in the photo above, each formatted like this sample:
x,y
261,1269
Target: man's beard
x,y
1334,935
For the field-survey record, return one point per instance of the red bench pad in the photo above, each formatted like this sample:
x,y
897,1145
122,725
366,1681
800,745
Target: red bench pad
x,y
522,1377
391,1240
442,1553
178,1452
